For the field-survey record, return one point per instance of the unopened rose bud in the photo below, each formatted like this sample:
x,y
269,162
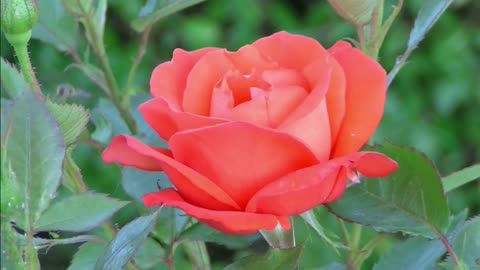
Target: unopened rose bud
x,y
356,12
18,16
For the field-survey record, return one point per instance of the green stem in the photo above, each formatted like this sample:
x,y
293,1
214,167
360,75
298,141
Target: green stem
x,y
21,50
197,252
133,71
114,91
460,178
367,250
380,37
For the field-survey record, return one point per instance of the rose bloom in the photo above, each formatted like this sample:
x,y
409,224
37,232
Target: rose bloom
x,y
261,134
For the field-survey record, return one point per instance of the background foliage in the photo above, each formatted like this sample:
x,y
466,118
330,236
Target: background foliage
x,y
433,104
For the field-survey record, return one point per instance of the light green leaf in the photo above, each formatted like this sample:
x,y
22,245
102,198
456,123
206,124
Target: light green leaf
x,y
13,81
201,232
310,218
86,256
56,26
461,177
155,10
93,73
11,258
72,176
410,200
426,18
79,213
279,259
126,243
35,149
149,254
71,118
467,244
417,252
100,16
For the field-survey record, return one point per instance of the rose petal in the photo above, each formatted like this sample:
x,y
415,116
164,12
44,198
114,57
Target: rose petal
x,y
234,222
307,188
309,122
284,77
118,151
266,108
166,121
195,188
203,78
169,79
239,157
248,59
365,97
289,50
336,90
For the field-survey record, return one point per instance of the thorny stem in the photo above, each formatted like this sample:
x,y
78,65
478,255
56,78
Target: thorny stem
x,y
136,62
27,69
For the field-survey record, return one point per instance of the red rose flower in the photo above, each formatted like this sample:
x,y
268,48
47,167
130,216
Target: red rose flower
x,y
261,134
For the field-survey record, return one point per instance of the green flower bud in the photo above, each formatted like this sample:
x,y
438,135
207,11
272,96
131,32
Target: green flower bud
x,y
356,12
18,16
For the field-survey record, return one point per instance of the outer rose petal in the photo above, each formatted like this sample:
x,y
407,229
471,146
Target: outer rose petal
x,y
169,79
365,97
239,157
194,187
233,222
307,188
290,51
119,151
166,121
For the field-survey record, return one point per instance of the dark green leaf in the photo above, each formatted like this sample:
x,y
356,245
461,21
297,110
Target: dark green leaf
x,y
126,243
56,26
86,256
461,177
11,256
419,253
410,200
155,10
35,149
279,259
13,81
149,254
79,213
170,223
201,232
71,118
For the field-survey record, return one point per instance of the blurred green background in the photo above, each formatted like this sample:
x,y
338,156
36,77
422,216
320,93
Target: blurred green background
x,y
433,104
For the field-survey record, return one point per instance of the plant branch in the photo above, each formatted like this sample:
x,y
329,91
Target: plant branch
x,y
136,63
114,92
